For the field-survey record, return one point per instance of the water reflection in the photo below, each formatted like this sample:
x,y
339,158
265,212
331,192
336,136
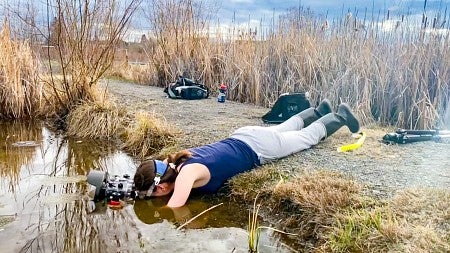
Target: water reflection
x,y
43,186
43,189
13,156
226,214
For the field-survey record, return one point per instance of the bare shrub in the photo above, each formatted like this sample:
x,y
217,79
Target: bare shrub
x,y
84,37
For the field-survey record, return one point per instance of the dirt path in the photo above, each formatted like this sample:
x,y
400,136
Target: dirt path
x,y
384,168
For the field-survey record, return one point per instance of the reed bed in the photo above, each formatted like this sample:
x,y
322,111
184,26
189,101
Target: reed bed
x,y
396,75
20,90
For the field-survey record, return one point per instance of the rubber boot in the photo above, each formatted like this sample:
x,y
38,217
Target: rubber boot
x,y
312,114
350,120
324,107
343,117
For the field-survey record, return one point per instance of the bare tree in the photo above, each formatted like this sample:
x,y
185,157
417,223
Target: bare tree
x,y
84,36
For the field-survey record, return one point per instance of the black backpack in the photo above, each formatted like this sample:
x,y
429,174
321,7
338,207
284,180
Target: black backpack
x,y
185,88
286,106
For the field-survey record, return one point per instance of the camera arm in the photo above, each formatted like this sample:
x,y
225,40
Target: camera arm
x,y
402,136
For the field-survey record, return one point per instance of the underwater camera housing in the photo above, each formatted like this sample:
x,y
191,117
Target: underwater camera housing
x,y
113,189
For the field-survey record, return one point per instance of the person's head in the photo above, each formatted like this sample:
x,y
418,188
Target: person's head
x,y
156,177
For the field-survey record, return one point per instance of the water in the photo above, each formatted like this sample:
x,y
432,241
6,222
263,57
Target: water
x,y
44,202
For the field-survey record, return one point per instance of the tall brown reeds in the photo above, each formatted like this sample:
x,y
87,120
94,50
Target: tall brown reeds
x,y
393,75
19,85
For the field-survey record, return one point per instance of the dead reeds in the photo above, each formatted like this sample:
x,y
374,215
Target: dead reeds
x,y
20,91
389,75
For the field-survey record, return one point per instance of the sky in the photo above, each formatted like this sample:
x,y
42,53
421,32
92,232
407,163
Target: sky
x,y
257,13
257,9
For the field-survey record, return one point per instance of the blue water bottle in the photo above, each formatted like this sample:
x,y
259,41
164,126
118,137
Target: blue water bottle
x,y
222,93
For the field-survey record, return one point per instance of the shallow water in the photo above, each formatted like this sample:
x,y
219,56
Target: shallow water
x,y
44,202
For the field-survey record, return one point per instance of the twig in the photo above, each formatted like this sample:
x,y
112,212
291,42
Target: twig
x,y
195,217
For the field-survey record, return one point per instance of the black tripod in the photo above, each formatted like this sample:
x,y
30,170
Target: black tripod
x,y
402,136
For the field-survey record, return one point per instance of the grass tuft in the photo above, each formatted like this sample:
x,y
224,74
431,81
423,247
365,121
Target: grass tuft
x,y
148,135
96,120
362,230
255,182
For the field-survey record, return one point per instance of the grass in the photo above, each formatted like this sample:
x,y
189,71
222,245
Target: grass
x,y
139,133
149,134
332,213
123,70
364,230
97,120
253,228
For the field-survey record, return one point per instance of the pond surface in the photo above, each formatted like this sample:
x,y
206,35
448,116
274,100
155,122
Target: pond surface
x,y
44,203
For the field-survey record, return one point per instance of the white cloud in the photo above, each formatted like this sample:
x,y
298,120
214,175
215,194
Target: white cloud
x,y
241,1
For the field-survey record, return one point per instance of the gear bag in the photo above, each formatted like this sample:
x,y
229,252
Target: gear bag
x,y
185,88
286,106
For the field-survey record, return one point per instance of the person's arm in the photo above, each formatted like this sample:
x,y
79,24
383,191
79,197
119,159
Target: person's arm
x,y
192,175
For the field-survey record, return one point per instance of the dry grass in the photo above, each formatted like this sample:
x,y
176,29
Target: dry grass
x,y
427,219
314,199
20,91
255,182
415,220
363,230
149,134
310,200
141,133
330,213
320,191
134,72
97,120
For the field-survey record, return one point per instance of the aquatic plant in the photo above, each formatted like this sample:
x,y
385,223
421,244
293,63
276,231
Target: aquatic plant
x,y
253,228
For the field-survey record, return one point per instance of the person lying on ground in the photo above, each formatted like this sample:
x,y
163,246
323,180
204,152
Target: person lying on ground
x,y
206,168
